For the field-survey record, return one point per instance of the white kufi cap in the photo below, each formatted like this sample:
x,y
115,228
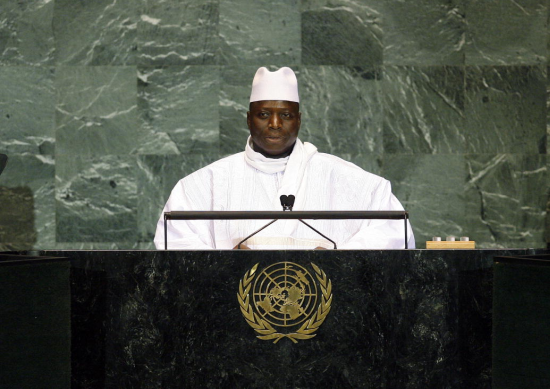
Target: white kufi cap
x,y
279,85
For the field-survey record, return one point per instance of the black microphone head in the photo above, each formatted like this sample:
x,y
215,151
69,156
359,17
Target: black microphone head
x,y
3,162
291,199
284,200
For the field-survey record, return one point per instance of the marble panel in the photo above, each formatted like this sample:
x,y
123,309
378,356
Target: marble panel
x,y
26,34
505,109
424,110
27,110
17,215
506,32
179,104
371,162
178,33
548,35
548,152
341,32
96,111
260,32
99,32
235,86
547,111
341,109
547,226
156,177
425,32
506,197
27,211
431,188
96,199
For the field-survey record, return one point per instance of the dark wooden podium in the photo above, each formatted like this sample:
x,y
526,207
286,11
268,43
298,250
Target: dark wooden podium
x,y
126,319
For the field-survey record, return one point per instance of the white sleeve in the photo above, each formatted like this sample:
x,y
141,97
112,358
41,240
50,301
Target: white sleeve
x,y
381,234
184,234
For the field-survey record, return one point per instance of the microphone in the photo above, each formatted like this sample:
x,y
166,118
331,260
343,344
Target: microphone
x,y
3,162
287,202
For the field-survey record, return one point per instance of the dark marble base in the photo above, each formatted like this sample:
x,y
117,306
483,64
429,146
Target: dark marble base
x,y
521,323
34,324
399,319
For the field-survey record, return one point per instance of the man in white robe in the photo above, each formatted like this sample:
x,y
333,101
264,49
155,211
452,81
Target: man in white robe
x,y
275,162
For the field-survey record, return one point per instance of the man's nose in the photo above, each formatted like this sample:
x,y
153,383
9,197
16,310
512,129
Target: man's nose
x,y
275,122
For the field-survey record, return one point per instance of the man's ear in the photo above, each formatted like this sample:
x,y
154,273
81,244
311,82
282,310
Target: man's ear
x,y
299,119
248,119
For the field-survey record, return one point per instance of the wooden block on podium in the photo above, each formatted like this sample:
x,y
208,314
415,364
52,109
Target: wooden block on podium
x,y
457,244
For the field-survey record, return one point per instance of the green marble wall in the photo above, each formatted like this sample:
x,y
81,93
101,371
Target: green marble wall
x,y
105,104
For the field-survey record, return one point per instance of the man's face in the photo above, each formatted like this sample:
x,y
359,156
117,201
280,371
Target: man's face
x,y
273,126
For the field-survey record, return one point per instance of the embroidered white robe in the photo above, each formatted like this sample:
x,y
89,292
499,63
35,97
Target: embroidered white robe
x,y
328,183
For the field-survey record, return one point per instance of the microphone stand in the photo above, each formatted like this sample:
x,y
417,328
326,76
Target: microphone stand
x,y
255,232
285,208
287,202
324,236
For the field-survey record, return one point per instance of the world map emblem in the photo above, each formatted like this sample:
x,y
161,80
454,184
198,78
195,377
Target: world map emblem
x,y
285,300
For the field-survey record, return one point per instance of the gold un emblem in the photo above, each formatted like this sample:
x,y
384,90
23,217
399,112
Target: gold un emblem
x,y
285,295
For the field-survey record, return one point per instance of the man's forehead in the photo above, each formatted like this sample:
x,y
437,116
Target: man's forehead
x,y
274,104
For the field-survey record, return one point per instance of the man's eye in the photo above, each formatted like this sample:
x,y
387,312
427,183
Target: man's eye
x,y
286,115
263,114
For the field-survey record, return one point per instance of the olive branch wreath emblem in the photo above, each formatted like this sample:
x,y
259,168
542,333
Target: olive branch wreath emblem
x,y
265,329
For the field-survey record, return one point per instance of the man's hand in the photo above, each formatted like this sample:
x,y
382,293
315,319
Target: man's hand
x,y
243,247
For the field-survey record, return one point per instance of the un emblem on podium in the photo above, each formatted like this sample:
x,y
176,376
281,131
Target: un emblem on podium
x,y
285,297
